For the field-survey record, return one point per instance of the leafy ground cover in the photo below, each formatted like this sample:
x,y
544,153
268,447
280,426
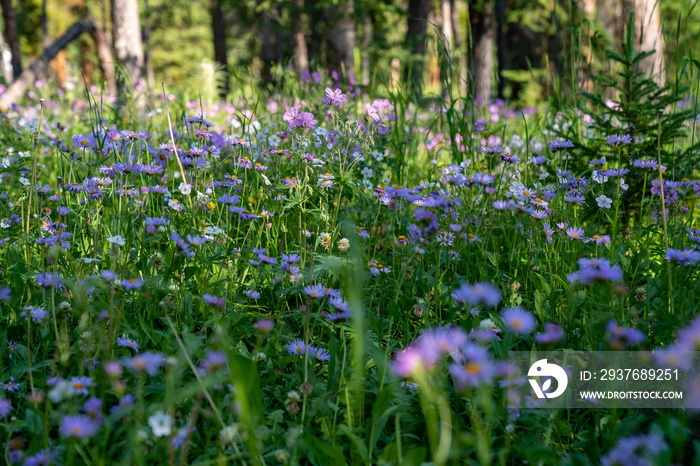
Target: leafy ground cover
x,y
325,276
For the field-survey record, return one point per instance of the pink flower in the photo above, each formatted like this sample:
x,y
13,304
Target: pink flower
x,y
372,112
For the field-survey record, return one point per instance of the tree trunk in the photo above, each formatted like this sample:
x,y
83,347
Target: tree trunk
x,y
415,39
126,30
267,46
459,56
86,63
58,69
340,41
298,32
365,62
416,33
104,54
648,34
44,26
218,25
8,19
37,67
446,10
481,64
316,26
500,45
5,62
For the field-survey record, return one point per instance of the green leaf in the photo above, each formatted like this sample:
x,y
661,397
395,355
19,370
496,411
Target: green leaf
x,y
357,442
329,453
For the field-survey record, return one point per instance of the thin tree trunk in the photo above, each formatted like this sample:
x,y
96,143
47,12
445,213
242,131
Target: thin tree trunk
x,y
446,11
316,25
460,58
37,67
218,25
500,45
58,68
148,53
298,29
584,72
8,19
341,41
104,54
415,39
126,31
434,71
5,64
481,65
267,47
648,36
366,43
86,64
44,26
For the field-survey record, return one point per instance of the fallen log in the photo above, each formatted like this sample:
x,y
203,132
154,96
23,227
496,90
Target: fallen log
x,y
38,66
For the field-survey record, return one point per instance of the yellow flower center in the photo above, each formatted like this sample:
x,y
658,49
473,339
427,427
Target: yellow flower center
x,y
472,367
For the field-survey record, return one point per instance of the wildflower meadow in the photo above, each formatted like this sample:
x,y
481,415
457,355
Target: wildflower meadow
x,y
335,273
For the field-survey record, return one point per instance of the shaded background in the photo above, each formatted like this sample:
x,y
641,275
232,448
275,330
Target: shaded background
x,y
516,50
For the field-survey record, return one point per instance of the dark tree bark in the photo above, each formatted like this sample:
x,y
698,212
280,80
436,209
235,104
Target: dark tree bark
x,y
126,31
37,67
218,25
481,63
316,29
415,39
340,40
8,19
500,45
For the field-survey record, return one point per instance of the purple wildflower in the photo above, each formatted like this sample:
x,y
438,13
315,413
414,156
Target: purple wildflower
x,y
682,257
552,333
333,98
5,407
475,367
49,279
214,301
479,293
617,139
315,291
128,343
560,145
518,320
79,426
146,362
80,385
622,337
131,284
297,347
